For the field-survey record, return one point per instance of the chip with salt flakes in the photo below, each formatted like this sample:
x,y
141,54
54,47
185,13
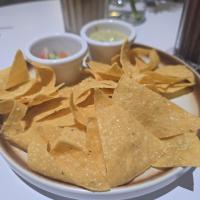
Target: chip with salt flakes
x,y
182,151
160,116
69,138
125,142
74,166
53,134
23,139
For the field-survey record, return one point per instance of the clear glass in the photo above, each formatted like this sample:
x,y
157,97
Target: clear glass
x,y
132,11
76,13
138,8
116,8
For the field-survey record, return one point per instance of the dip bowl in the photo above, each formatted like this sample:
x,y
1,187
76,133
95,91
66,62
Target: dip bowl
x,y
103,51
67,69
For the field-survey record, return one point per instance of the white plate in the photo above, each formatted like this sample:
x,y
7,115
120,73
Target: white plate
x,y
150,181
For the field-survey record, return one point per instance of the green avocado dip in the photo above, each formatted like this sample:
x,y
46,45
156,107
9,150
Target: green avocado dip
x,y
107,35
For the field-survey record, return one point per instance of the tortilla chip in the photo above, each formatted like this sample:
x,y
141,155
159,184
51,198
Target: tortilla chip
x,y
44,90
108,92
34,89
182,151
38,112
61,118
127,66
116,59
99,67
45,74
78,115
88,101
104,71
36,98
164,84
113,73
160,78
18,111
14,124
69,138
157,114
23,139
84,86
170,81
4,73
176,92
153,61
94,74
115,70
88,111
125,142
179,71
18,72
51,133
72,166
59,139
141,65
6,106
41,98
83,97
18,91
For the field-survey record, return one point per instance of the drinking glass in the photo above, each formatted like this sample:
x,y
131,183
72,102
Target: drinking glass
x,y
76,13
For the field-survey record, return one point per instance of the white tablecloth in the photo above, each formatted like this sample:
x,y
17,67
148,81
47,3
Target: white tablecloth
x,y
21,23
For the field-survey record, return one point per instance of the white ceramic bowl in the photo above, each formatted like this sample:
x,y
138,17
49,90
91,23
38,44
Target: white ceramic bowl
x,y
66,69
103,51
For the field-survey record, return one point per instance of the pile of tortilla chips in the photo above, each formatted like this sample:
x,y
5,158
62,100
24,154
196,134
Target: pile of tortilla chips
x,y
104,131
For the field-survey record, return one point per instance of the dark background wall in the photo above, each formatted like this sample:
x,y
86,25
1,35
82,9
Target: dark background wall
x,y
7,2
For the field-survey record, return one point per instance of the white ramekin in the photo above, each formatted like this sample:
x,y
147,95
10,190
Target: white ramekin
x,y
103,51
66,69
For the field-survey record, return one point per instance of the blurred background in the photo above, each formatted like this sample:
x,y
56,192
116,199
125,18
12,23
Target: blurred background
x,y
165,24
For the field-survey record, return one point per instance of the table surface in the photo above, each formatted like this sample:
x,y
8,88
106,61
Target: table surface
x,y
21,23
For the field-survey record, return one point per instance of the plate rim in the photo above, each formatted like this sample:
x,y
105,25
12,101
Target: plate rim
x,y
178,171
